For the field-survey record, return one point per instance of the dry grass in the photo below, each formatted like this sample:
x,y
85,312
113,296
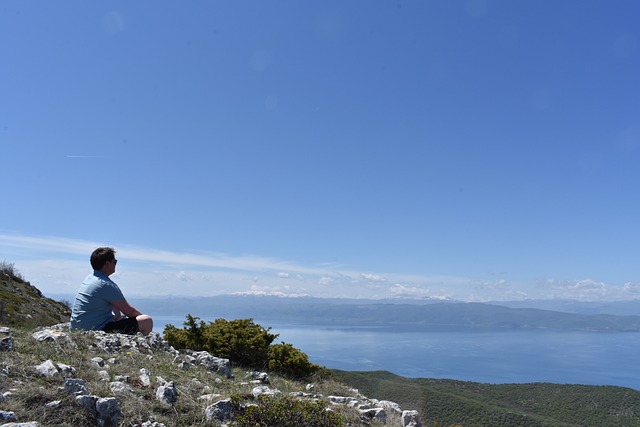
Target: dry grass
x,y
31,394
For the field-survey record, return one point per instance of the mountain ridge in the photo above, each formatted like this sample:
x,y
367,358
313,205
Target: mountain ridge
x,y
433,315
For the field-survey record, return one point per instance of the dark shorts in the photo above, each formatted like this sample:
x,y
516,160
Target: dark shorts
x,y
123,326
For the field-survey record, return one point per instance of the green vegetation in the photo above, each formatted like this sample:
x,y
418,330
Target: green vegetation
x,y
24,305
447,402
243,342
288,412
9,269
291,362
30,392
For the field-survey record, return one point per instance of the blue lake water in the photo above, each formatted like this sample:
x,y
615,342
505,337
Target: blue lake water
x,y
519,356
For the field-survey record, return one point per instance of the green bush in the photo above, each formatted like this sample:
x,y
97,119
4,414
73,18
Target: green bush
x,y
290,362
241,341
287,412
9,268
191,336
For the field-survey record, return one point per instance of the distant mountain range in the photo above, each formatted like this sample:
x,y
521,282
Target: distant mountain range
x,y
622,308
401,314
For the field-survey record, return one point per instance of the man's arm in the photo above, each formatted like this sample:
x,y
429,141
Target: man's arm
x,y
124,307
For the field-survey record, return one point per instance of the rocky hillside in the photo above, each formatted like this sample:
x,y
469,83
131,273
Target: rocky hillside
x,y
444,402
51,376
23,304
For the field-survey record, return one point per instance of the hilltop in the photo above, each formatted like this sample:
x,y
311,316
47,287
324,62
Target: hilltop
x,y
51,376
23,304
118,371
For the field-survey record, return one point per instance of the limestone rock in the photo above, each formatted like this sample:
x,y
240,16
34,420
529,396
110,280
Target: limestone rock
x,y
212,363
390,406
108,410
66,370
6,343
48,335
56,334
210,397
117,343
263,377
105,410
27,424
47,369
145,380
7,416
167,393
88,403
342,400
374,413
75,386
222,410
98,362
120,387
411,419
263,390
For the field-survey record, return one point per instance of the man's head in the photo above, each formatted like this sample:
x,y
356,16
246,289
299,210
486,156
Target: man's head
x,y
104,259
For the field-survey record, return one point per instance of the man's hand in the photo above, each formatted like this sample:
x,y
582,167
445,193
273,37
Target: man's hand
x,y
123,307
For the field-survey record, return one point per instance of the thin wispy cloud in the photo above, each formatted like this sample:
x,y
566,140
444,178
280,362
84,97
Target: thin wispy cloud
x,y
71,156
67,246
159,271
46,243
58,264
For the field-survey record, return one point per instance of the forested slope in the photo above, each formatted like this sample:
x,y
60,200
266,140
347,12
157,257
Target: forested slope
x,y
449,402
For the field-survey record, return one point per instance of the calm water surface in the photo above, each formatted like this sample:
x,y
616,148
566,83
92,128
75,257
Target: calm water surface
x,y
488,356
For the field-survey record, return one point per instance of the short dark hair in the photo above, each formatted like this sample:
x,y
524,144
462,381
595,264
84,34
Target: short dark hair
x,y
100,256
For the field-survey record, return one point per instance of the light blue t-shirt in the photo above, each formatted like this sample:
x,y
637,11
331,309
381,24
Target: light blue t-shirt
x,y
93,306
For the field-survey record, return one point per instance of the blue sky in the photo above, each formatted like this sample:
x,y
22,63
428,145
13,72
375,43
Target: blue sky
x,y
463,149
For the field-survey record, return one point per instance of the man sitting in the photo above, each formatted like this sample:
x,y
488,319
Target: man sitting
x,y
100,304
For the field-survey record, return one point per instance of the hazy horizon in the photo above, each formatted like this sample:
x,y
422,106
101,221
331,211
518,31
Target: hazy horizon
x,y
58,266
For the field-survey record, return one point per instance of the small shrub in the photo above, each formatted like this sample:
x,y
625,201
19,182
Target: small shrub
x,y
241,341
287,412
290,362
10,270
191,336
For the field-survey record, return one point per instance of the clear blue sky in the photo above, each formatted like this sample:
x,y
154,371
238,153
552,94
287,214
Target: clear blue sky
x,y
464,149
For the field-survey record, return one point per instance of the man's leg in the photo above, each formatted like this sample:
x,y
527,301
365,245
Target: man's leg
x,y
145,324
127,326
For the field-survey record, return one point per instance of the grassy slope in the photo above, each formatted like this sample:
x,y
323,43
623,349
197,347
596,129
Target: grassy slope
x,y
30,392
470,404
22,304
446,402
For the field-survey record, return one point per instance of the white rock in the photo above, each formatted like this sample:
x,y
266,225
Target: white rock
x,y
47,369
